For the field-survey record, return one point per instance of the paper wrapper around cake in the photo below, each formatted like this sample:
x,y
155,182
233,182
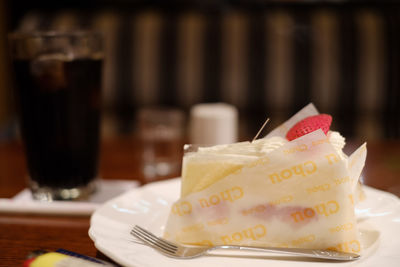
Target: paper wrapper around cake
x,y
299,195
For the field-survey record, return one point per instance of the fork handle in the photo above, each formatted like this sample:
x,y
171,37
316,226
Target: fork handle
x,y
304,252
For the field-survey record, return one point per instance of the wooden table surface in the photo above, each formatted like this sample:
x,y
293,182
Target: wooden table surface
x,y
22,233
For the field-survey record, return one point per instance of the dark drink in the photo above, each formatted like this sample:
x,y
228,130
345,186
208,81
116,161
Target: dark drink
x,y
57,88
59,107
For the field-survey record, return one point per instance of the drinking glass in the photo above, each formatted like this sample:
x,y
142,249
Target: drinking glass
x,y
58,98
161,131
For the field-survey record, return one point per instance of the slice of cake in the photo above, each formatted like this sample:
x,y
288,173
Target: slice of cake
x,y
271,192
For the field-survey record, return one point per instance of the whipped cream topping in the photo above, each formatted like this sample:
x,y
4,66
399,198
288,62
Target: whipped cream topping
x,y
259,147
338,142
264,146
336,139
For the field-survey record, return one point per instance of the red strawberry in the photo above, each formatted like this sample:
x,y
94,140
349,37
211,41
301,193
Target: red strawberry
x,y
308,125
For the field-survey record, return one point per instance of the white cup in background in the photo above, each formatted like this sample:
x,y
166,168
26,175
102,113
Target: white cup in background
x,y
213,123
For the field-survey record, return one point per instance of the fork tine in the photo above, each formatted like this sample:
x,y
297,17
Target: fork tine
x,y
156,244
159,239
152,242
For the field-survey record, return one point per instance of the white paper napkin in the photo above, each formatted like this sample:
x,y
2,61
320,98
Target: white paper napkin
x,y
107,189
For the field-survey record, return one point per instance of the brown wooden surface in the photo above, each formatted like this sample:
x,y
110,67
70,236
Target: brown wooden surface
x,y
20,234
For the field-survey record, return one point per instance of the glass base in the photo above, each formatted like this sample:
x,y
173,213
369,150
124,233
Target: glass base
x,y
44,193
153,170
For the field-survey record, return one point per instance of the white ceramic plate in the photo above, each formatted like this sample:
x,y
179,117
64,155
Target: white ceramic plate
x,y
148,206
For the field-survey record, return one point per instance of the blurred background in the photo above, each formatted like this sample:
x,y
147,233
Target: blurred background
x,y
268,58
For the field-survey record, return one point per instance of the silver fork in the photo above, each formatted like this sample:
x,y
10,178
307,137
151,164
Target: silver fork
x,y
186,252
